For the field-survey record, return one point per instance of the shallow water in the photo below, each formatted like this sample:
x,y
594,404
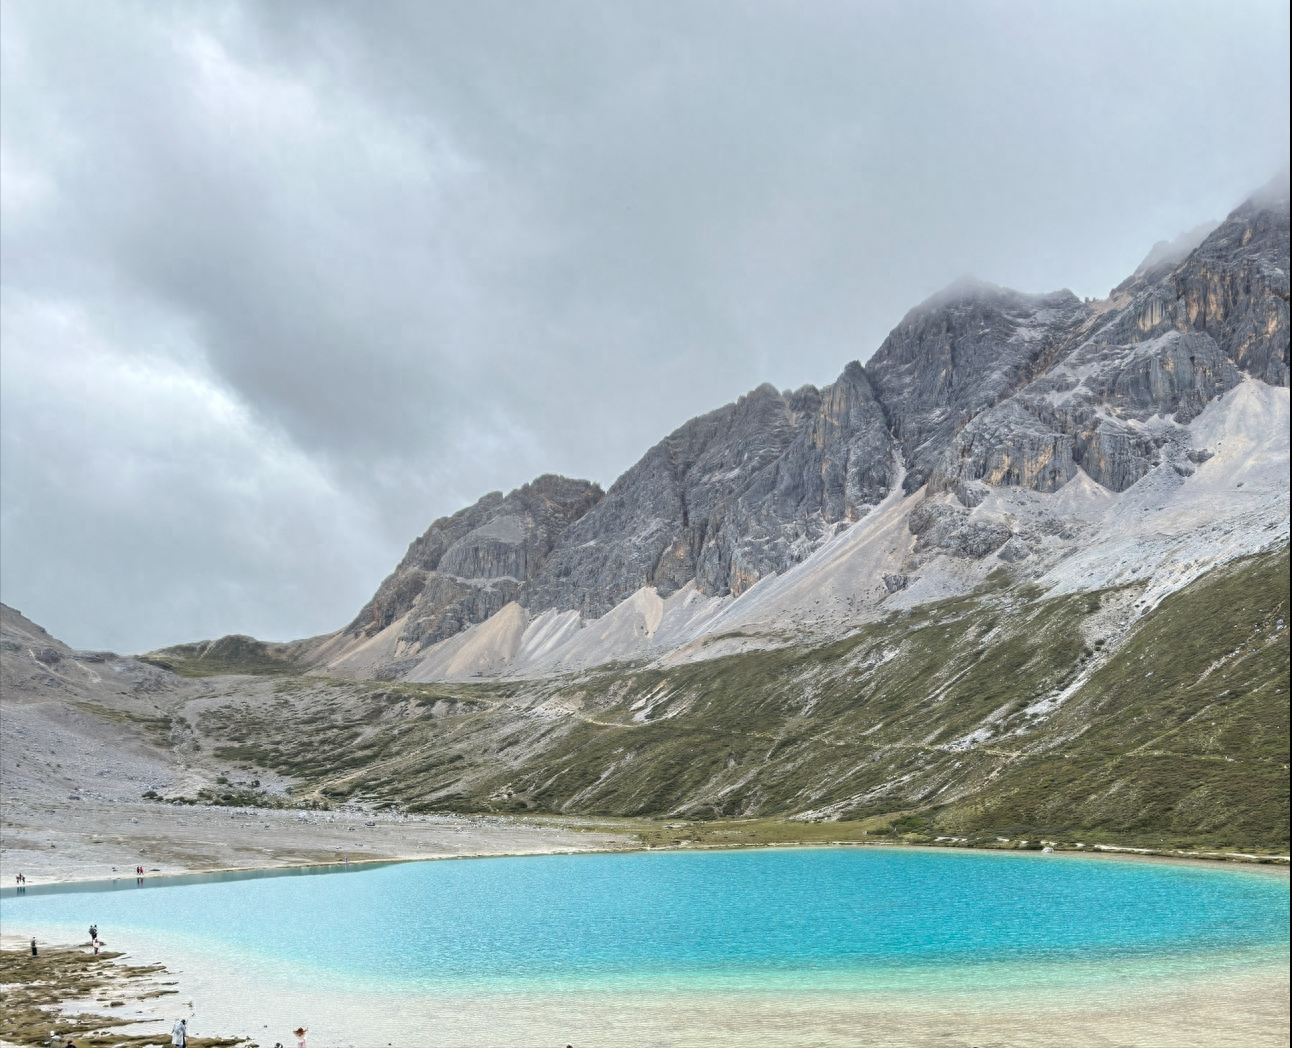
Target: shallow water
x,y
904,927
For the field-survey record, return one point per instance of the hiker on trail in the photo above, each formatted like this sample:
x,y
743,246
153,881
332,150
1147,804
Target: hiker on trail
x,y
179,1034
33,946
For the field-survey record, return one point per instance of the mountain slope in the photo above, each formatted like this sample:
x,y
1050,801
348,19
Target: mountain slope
x,y
912,477
998,712
1024,574
468,566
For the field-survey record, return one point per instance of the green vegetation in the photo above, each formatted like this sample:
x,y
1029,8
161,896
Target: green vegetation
x,y
233,654
1002,714
1188,729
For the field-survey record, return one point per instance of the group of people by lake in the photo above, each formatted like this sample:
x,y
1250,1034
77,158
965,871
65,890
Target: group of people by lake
x,y
179,1032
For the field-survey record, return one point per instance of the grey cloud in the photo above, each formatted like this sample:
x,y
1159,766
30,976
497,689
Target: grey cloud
x,y
439,248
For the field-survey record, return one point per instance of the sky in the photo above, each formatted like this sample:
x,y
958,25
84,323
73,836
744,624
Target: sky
x,y
280,283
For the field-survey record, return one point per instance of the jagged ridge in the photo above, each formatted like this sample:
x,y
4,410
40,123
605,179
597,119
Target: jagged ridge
x,y
978,387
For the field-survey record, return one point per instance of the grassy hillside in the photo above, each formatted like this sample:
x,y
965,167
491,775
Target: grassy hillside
x,y
1003,713
232,654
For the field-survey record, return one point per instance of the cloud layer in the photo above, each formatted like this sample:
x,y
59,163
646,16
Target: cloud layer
x,y
282,282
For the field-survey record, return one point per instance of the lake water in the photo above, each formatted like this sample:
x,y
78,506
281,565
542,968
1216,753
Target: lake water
x,y
908,928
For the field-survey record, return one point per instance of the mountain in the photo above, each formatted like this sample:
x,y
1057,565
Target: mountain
x,y
1024,574
1002,716
469,566
912,478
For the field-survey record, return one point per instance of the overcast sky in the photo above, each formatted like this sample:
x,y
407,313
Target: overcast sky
x,y
283,282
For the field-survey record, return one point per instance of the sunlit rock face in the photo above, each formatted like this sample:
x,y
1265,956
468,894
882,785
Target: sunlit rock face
x,y
1235,287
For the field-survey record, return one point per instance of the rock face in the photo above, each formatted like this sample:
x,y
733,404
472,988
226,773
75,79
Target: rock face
x,y
468,566
1170,339
964,350
1234,288
978,387
946,528
739,493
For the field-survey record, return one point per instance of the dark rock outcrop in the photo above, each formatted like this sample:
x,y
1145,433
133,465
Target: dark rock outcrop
x,y
468,566
942,527
739,493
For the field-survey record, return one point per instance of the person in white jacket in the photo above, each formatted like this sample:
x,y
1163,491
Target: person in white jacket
x,y
179,1034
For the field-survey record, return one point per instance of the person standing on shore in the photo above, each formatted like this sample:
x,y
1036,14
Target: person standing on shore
x,y
299,1033
33,946
179,1034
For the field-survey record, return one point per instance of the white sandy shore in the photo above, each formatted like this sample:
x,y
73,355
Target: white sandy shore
x,y
100,841
97,841
1229,1007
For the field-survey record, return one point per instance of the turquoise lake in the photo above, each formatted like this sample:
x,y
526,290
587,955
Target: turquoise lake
x,y
783,918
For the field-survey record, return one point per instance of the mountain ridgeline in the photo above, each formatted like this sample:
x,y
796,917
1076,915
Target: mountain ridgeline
x,y
979,387
1023,576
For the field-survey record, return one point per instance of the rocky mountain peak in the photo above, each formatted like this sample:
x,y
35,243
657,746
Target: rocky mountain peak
x,y
1112,397
979,386
1273,196
1168,253
961,351
731,496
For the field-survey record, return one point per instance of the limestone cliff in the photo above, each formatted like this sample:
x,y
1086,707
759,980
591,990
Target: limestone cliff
x,y
1137,367
468,566
961,352
979,387
739,493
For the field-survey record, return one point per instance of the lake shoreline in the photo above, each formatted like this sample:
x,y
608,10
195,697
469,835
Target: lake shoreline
x,y
86,881
1225,1009
365,988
